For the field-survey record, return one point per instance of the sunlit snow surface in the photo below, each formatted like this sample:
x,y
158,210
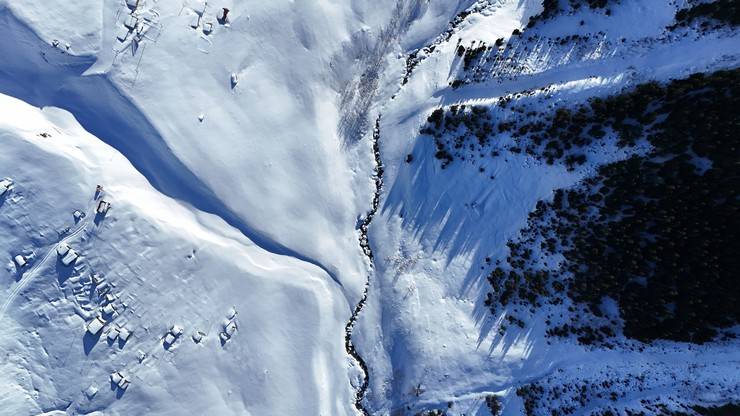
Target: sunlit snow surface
x,y
245,197
168,264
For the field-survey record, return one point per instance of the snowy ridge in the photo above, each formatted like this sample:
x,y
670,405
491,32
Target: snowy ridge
x,y
239,145
199,248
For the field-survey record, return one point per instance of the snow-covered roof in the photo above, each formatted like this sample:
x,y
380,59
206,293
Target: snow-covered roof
x,y
109,309
119,380
20,260
123,383
131,21
103,207
96,325
91,391
5,185
124,333
169,338
97,278
62,249
230,328
116,377
102,288
207,27
176,330
113,334
70,257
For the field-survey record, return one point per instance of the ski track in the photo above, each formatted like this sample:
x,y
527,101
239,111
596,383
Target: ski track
x,y
38,266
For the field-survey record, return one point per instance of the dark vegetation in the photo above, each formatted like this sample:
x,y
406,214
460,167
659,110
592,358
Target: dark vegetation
x,y
561,137
723,11
564,394
658,233
471,127
416,56
730,409
433,412
552,8
503,59
494,404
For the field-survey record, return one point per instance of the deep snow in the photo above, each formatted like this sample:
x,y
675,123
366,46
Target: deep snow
x,y
252,195
425,333
169,264
243,194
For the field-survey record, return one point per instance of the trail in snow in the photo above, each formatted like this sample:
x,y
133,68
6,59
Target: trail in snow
x,y
38,266
365,245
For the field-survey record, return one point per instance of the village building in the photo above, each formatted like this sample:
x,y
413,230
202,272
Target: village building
x,y
62,249
124,334
102,289
109,298
70,257
112,334
172,335
119,380
78,215
130,23
91,391
109,309
207,27
103,207
96,325
228,331
20,261
5,185
198,336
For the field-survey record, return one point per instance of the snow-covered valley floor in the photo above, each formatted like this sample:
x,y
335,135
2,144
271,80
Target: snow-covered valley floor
x,y
281,239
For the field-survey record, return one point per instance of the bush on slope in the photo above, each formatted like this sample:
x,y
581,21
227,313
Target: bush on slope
x,y
658,233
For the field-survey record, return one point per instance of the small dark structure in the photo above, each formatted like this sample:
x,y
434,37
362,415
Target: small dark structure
x,y
223,16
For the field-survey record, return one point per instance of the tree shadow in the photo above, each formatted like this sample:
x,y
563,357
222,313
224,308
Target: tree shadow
x,y
460,214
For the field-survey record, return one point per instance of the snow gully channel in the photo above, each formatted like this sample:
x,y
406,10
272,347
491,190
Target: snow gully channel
x,y
365,245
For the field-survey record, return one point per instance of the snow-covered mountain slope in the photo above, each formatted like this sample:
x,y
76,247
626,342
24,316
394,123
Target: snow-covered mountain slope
x,y
165,264
255,118
426,333
253,125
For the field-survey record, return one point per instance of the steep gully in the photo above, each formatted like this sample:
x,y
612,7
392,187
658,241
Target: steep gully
x,y
360,97
104,111
365,245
